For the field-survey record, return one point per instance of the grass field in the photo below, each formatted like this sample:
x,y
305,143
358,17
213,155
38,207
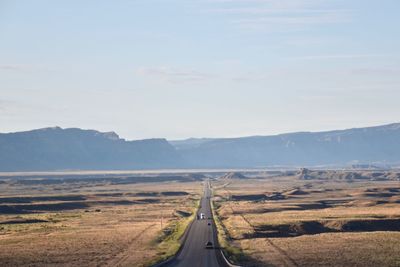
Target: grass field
x,y
81,223
280,220
264,218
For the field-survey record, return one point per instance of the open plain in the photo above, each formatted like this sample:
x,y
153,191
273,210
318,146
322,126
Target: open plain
x,y
264,218
94,221
326,218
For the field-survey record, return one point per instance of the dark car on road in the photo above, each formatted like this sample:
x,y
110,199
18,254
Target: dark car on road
x,y
209,245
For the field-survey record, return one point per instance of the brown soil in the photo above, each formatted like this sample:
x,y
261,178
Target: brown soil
x,y
318,227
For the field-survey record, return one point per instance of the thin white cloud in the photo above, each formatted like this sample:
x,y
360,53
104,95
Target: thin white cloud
x,y
279,15
12,67
377,71
175,75
271,11
2,105
337,56
21,67
5,106
278,23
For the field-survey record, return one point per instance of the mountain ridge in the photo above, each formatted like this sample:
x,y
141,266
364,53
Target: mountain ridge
x,y
55,148
73,148
338,147
194,139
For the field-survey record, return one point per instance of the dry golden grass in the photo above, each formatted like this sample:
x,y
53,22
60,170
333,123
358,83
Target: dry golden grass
x,y
106,232
329,249
312,223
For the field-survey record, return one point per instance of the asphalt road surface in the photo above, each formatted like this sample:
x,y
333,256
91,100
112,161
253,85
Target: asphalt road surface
x,y
194,253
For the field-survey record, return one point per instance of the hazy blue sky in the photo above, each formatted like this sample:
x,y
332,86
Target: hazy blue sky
x,y
195,68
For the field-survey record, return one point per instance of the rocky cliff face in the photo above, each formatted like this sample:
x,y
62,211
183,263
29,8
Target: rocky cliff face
x,y
378,145
65,149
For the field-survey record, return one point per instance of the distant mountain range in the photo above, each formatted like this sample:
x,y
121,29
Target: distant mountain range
x,y
379,145
77,149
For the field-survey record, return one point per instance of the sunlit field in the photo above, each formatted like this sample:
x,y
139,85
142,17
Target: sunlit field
x,y
92,223
288,221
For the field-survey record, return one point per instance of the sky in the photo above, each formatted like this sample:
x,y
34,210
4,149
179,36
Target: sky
x,y
201,68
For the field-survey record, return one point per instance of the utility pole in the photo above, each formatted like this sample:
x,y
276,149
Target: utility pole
x,y
161,221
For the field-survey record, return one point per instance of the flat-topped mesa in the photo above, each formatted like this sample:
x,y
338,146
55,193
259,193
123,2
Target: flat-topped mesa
x,y
371,175
77,149
303,174
234,175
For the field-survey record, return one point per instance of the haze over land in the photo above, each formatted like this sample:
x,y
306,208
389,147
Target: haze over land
x,y
179,68
76,149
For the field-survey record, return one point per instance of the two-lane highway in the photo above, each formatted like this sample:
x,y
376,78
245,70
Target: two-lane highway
x,y
194,253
